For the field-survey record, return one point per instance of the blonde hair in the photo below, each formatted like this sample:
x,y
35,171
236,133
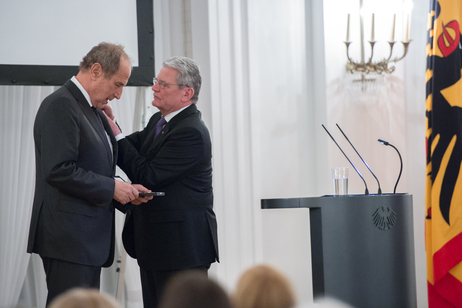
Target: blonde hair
x,y
263,286
84,298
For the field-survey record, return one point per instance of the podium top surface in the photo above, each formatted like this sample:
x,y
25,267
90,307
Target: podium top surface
x,y
328,200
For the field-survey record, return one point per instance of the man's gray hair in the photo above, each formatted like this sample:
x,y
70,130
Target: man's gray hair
x,y
107,55
189,74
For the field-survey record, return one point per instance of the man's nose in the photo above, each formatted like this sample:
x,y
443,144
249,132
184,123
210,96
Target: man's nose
x,y
156,87
118,93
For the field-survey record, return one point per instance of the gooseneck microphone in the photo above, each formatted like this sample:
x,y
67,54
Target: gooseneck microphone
x,y
367,191
379,192
400,159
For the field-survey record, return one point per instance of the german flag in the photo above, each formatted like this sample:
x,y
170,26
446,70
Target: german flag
x,y
443,200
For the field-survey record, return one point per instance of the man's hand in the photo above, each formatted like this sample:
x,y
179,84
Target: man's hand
x,y
107,109
115,129
140,199
124,192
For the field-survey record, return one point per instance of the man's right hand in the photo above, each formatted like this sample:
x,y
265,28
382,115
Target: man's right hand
x,y
115,129
107,109
124,192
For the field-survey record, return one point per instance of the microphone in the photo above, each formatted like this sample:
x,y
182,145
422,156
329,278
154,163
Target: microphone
x,y
379,192
367,191
400,159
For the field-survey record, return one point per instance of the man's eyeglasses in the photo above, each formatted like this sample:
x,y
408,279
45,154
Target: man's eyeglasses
x,y
163,84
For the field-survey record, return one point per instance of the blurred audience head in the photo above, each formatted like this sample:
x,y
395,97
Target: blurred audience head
x,y
264,286
84,298
193,289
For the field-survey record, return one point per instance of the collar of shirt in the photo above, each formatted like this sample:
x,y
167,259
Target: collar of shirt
x,y
85,94
87,97
170,116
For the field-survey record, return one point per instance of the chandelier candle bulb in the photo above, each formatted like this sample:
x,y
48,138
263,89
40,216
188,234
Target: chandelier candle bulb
x,y
372,28
393,31
407,11
408,28
348,28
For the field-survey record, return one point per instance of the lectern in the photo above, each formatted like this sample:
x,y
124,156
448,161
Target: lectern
x,y
362,248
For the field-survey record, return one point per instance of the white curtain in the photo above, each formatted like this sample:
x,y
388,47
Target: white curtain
x,y
265,125
17,168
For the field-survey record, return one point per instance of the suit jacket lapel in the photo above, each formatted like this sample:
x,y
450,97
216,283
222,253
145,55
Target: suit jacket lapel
x,y
91,116
155,143
149,141
109,132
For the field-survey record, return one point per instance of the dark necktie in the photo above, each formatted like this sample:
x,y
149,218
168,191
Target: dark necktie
x,y
160,125
102,126
98,117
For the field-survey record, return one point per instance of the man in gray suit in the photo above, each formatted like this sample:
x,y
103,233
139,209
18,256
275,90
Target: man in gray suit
x,y
72,225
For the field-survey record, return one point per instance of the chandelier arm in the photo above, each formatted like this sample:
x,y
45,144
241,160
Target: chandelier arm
x,y
372,51
379,67
406,48
391,51
347,44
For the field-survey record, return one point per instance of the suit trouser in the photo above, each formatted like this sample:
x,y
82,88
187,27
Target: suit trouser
x,y
153,283
62,276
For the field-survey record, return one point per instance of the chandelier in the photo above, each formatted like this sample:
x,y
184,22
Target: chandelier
x,y
378,66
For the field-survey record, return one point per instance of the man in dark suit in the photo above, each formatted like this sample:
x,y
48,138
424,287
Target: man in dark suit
x,y
177,231
72,224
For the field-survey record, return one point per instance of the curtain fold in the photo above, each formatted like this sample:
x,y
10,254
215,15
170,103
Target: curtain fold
x,y
17,169
129,111
262,126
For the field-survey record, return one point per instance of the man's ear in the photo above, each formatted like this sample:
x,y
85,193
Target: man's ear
x,y
187,93
96,71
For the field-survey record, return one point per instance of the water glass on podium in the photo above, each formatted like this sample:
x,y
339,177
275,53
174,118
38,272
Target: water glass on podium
x,y
340,179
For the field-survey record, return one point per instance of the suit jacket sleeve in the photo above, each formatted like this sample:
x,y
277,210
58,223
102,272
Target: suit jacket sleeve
x,y
168,160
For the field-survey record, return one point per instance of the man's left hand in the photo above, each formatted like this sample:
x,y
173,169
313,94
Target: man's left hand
x,y
115,129
140,199
107,109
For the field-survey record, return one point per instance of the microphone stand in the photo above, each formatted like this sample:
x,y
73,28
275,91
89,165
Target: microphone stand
x,y
367,191
400,159
379,192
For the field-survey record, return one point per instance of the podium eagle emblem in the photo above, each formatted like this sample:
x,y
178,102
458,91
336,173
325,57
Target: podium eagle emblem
x,y
384,218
